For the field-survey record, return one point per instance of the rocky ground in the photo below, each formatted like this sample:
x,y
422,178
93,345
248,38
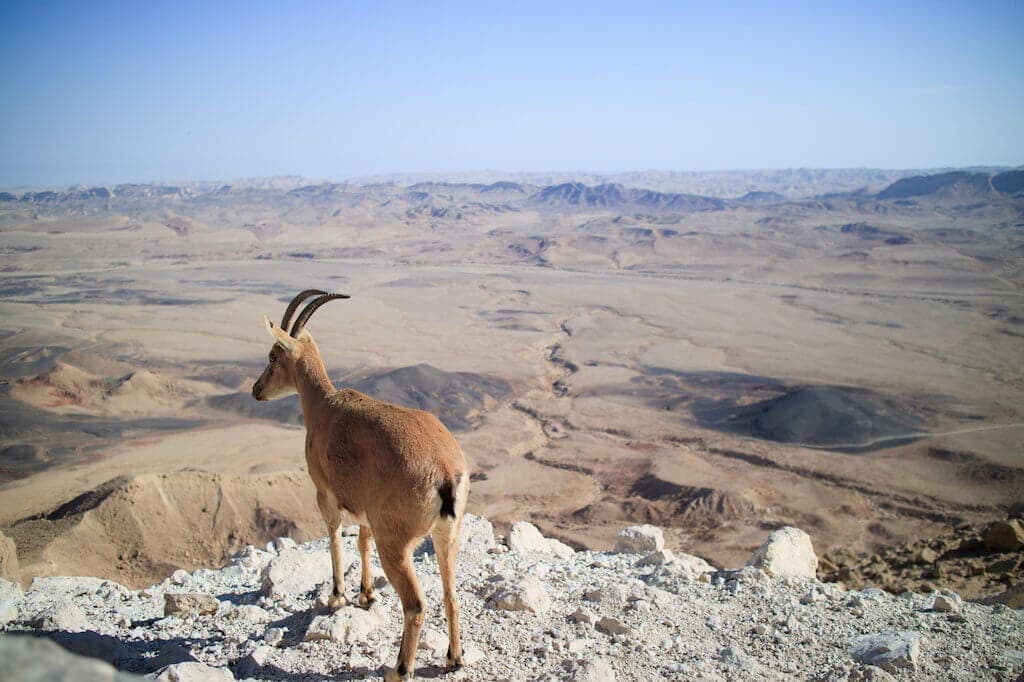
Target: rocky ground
x,y
532,608
976,560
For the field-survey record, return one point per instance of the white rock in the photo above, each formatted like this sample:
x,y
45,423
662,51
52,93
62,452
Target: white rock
x,y
640,539
251,665
735,656
249,613
477,534
471,654
525,537
32,659
594,670
193,671
526,594
294,572
62,615
433,640
948,602
348,626
787,552
10,596
578,646
274,636
281,544
560,549
180,577
890,651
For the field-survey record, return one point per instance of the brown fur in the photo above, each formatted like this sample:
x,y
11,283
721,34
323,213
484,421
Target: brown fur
x,y
382,464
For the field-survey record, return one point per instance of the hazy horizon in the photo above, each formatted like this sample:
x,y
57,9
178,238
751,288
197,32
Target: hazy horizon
x,y
143,93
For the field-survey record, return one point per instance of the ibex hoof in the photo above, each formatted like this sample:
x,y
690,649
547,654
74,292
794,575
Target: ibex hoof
x,y
453,662
366,599
394,676
336,602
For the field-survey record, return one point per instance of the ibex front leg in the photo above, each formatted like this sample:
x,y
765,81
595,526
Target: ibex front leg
x,y
331,513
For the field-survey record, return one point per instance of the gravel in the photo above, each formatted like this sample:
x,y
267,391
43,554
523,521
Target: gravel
x,y
605,616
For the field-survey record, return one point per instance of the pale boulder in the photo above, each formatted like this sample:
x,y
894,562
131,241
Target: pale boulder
x,y
787,552
640,539
527,594
294,572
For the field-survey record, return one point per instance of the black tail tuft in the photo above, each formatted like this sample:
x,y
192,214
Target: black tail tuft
x,y
447,493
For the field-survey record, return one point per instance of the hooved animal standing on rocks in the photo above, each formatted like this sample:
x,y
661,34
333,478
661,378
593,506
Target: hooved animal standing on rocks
x,y
398,472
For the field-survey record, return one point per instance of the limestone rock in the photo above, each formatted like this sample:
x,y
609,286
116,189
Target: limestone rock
x,y
433,640
477,534
640,539
787,552
1005,536
190,604
9,568
349,625
890,651
274,636
252,665
294,572
62,615
560,549
193,671
249,613
10,597
471,654
30,659
525,595
948,602
594,670
525,537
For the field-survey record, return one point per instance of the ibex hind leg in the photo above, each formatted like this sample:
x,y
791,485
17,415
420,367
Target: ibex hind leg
x,y
396,558
331,514
446,546
366,594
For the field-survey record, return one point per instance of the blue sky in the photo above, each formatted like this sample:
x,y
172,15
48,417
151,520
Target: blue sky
x,y
148,91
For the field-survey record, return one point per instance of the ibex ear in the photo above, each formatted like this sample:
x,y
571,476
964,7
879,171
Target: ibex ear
x,y
281,337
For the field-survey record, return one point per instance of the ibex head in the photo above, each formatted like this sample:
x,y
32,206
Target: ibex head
x,y
278,379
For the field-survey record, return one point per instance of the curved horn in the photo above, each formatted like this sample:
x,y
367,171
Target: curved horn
x,y
308,311
290,310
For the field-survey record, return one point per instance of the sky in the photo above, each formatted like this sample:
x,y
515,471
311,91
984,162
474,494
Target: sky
x,y
108,92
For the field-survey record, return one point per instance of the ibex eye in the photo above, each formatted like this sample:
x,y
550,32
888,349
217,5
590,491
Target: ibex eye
x,y
273,358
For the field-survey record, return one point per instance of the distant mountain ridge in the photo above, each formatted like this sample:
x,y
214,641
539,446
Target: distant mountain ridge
x,y
573,195
961,183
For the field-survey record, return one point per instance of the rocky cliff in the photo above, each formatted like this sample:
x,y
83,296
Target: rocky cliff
x,y
532,608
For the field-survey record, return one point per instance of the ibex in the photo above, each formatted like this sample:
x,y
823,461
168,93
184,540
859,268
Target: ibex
x,y
397,471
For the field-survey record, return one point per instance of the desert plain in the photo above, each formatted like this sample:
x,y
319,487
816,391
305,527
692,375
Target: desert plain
x,y
717,354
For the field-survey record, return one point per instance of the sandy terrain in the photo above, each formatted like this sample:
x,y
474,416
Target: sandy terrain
x,y
848,364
